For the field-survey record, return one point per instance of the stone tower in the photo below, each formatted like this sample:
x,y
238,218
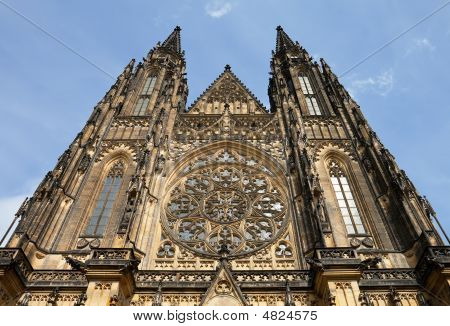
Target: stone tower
x,y
225,202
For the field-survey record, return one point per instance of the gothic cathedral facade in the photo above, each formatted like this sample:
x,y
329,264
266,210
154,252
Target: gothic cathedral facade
x,y
225,202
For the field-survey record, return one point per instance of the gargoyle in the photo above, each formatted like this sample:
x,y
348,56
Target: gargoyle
x,y
315,264
370,263
76,264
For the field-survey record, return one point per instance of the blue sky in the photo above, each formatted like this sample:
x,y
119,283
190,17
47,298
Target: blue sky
x,y
47,93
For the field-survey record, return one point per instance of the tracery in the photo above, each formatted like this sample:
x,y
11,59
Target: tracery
x,y
225,199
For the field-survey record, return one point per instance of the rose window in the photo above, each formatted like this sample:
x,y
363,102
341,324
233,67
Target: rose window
x,y
225,206
227,200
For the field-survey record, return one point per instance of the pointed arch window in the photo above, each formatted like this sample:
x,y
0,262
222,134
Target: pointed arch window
x,y
306,86
144,97
311,101
103,207
149,85
345,199
141,106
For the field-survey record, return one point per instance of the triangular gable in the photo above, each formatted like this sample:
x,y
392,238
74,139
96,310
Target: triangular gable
x,y
227,89
224,291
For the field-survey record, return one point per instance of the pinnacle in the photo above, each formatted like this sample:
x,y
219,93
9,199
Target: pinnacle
x,y
284,42
227,67
173,41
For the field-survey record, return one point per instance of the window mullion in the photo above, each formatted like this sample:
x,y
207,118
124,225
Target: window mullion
x,y
104,203
348,205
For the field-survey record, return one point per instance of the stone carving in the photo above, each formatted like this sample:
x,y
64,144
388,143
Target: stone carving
x,y
389,275
84,163
228,201
315,264
52,299
116,254
81,300
25,299
108,146
223,287
370,262
102,286
317,147
288,300
336,253
272,276
158,298
114,300
166,250
181,276
364,299
53,276
75,264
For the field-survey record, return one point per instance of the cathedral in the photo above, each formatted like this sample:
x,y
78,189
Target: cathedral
x,y
226,202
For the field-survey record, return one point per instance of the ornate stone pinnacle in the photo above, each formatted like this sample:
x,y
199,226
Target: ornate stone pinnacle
x,y
227,67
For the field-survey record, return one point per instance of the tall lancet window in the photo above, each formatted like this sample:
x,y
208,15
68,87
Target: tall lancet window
x,y
311,101
103,207
346,201
149,85
144,97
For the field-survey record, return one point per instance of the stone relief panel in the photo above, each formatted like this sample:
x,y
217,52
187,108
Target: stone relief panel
x,y
193,131
323,128
300,299
167,299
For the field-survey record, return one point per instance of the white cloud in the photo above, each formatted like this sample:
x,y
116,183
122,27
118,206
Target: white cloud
x,y
424,43
420,44
218,8
381,84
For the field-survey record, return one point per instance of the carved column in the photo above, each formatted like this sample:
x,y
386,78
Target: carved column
x,y
14,270
110,276
337,276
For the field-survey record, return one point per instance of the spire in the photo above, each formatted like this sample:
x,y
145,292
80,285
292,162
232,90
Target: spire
x,y
173,42
284,42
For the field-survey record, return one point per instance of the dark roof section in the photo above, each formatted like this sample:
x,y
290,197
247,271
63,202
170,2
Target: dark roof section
x,y
284,42
173,41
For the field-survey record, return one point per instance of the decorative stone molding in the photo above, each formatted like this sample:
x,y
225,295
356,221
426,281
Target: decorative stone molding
x,y
318,147
130,146
406,274
336,253
43,277
16,258
146,278
302,277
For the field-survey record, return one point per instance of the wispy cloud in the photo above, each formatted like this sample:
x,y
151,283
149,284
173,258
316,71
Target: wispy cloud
x,y
424,43
420,44
218,8
381,84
